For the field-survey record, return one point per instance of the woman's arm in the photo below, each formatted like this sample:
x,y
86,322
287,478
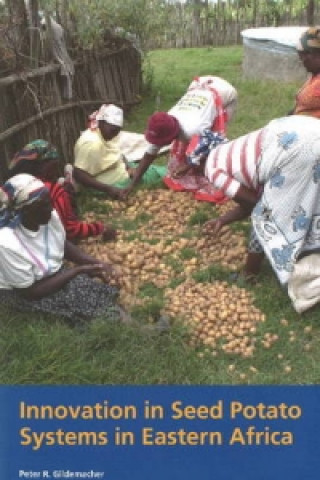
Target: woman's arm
x,y
234,215
77,256
55,282
88,180
74,227
144,164
246,198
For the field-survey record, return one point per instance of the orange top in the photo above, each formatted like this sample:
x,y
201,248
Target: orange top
x,y
308,98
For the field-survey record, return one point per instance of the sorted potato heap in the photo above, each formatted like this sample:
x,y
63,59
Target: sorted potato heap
x,y
219,316
227,249
169,216
136,263
168,211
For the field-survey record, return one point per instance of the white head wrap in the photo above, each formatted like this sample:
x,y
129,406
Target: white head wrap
x,y
109,113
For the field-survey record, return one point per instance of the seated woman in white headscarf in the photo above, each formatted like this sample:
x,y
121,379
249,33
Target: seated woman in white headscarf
x,y
33,247
274,175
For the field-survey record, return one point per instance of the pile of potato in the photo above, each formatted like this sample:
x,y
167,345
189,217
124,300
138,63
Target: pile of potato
x,y
169,212
166,248
138,262
169,215
219,316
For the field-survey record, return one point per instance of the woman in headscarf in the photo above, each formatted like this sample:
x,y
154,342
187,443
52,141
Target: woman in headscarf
x,y
308,97
274,174
32,250
41,159
99,162
208,105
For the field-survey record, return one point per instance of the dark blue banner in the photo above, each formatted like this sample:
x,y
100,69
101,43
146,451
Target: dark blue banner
x,y
160,432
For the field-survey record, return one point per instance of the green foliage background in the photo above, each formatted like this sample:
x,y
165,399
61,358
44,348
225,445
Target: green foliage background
x,y
88,20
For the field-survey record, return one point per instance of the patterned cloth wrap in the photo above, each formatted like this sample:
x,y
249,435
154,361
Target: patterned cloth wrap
x,y
80,299
286,219
17,192
41,150
309,40
207,141
36,150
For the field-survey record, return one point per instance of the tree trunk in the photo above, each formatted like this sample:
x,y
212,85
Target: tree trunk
x,y
34,33
196,22
205,39
310,12
19,33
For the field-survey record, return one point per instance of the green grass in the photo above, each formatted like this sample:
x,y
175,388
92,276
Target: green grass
x,y
173,70
203,213
40,349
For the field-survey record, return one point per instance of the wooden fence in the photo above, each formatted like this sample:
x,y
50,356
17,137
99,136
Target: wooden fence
x,y
32,103
223,22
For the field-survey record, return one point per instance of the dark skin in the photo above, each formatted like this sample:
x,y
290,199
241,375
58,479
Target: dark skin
x,y
238,213
311,61
144,164
246,199
49,171
39,213
84,178
254,260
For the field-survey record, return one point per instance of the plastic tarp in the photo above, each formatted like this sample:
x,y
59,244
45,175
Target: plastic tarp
x,y
133,145
273,39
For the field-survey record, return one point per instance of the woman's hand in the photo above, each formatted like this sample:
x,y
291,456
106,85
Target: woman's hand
x,y
180,171
102,270
109,234
109,273
131,171
116,193
125,192
213,226
238,213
